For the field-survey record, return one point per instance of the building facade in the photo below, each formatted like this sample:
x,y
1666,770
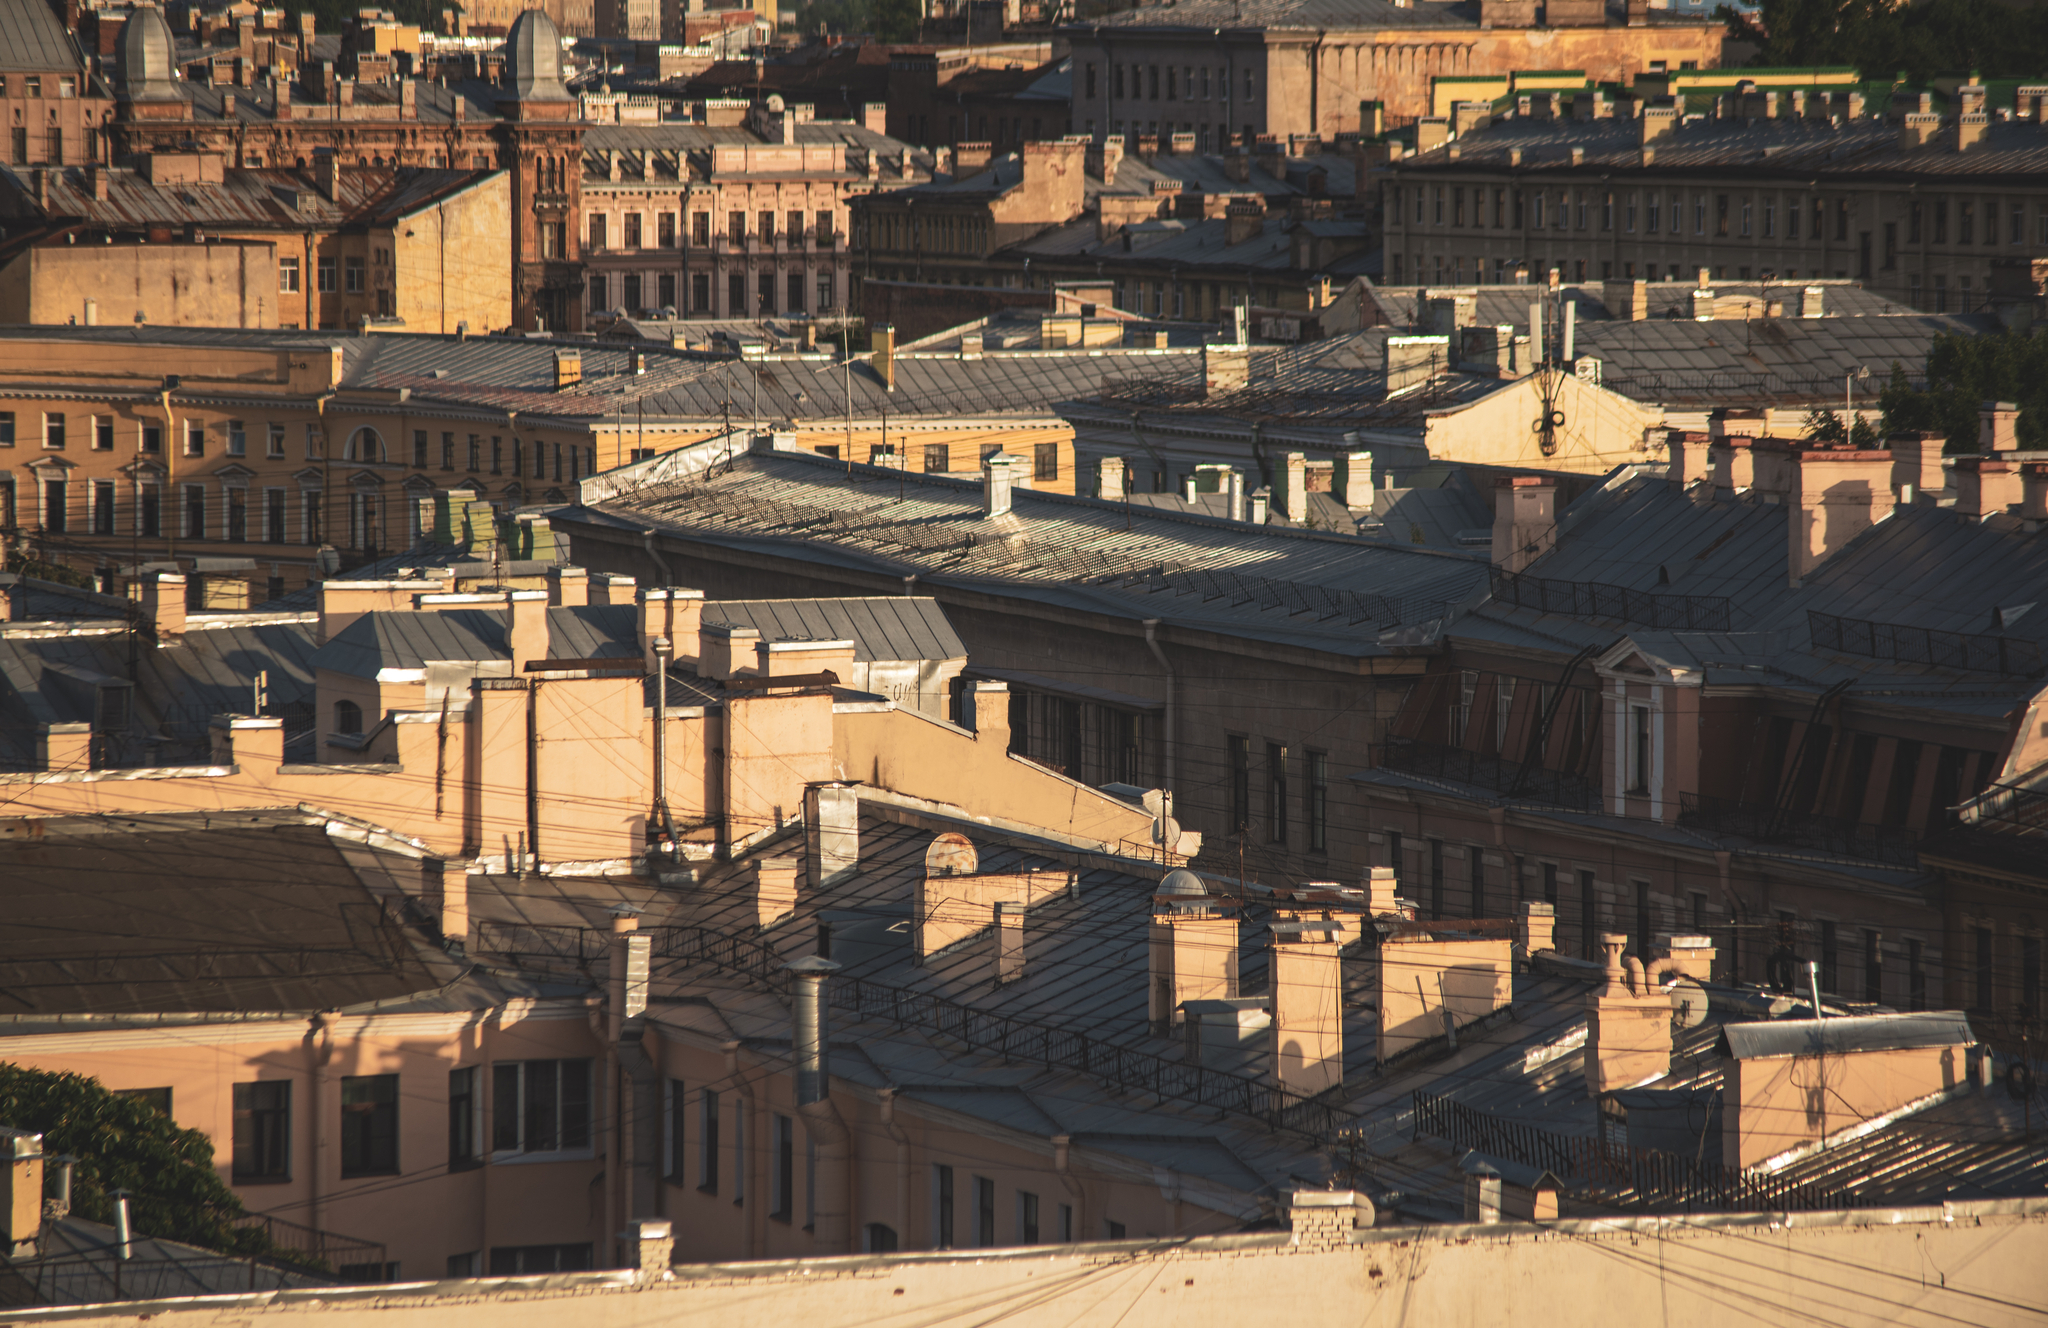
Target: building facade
x,y
54,110
1931,210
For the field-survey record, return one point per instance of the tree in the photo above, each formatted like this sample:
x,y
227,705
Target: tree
x,y
1825,426
1886,40
1962,373
123,1143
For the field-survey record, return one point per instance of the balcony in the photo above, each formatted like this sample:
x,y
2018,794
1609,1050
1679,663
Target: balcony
x,y
1433,760
1894,845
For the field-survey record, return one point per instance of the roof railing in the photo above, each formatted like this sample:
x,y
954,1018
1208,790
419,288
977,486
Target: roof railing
x,y
1593,599
1973,652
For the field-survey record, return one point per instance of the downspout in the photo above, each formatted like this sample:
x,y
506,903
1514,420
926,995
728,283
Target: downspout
x,y
1063,1166
171,446
647,542
811,1061
319,1054
604,1114
532,775
1172,686
662,650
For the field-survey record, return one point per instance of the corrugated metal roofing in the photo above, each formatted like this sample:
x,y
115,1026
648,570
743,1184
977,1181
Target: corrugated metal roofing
x,y
1751,361
1853,1033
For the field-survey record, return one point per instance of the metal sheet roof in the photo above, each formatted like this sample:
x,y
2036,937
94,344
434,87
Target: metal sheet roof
x,y
1843,1036
32,40
882,628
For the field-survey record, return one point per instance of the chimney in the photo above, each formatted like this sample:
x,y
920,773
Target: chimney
x,y
163,603
568,369
1354,480
606,588
1638,300
1482,1191
1628,1026
1538,927
1431,132
1998,424
2034,492
92,312
654,1244
1225,368
1308,1007
1242,221
1294,486
998,475
676,614
726,650
1971,127
1192,949
1658,121
21,1203
771,882
1233,495
832,825
811,1047
1259,506
527,628
1009,940
1813,302
988,705
1691,955
1109,479
1840,494
1524,520
448,900
883,338
98,175
568,586
626,979
327,174
1985,487
1382,886
1917,474
1322,1221
803,658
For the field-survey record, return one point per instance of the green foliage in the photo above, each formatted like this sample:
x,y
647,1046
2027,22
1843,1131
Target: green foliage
x,y
897,20
1825,426
329,15
1884,39
1964,372
886,20
123,1143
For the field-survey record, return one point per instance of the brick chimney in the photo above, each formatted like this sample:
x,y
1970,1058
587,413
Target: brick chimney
x,y
725,650
1917,472
674,613
796,659
1524,520
447,898
1293,494
1628,1025
1998,425
568,586
999,471
988,706
526,628
1192,950
883,338
1382,885
1834,494
1308,1006
327,174
2034,492
163,603
770,885
1986,486
1538,927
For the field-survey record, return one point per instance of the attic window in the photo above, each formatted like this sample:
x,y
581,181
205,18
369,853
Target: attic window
x,y
348,718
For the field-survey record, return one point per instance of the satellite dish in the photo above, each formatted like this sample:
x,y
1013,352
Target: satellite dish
x,y
1165,830
1688,1003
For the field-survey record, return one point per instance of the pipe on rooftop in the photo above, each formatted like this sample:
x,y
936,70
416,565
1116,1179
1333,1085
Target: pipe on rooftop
x,y
811,1061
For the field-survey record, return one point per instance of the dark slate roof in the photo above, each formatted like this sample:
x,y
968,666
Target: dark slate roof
x,y
1600,301
413,640
227,912
910,627
281,198
1836,1037
33,41
1759,150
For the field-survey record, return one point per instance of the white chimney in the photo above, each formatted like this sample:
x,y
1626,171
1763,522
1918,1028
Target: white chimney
x,y
998,471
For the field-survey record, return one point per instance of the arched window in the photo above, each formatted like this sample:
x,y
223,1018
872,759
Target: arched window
x,y
348,717
365,444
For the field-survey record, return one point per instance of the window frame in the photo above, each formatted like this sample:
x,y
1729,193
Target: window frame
x,y
520,1126
246,1112
374,1144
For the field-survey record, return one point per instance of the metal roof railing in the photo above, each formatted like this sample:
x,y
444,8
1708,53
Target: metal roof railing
x,y
1970,651
1891,844
1593,599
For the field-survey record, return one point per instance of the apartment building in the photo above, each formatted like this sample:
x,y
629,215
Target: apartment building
x,y
54,110
185,240
1222,74
293,116
1927,208
746,221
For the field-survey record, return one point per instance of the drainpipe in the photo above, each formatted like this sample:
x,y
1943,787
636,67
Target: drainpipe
x,y
662,650
811,1060
1172,686
319,1055
647,542
532,774
171,446
1063,1165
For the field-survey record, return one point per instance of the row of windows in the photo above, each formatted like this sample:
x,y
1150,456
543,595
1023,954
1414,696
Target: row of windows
x,y
1168,83
148,437
721,1136
1721,215
198,516
947,233
1515,271
633,290
1282,771
349,278
632,233
363,445
37,86
1201,132
51,143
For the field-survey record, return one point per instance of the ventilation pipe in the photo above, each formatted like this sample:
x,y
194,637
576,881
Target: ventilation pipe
x,y
662,653
811,1046
124,1235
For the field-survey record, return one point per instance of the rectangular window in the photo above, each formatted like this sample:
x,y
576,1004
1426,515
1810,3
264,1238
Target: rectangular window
x,y
1550,884
195,439
1640,942
984,1212
1841,219
1639,749
1318,808
1436,878
1477,860
195,511
597,229
273,446
102,507
237,514
796,293
707,1141
324,274
287,276
476,451
1276,793
53,431
148,512
263,1134
238,438
352,270
942,1207
497,454
465,1106
781,1167
1983,987
632,239
534,1260
1066,1224
311,526
540,1106
823,234
1027,1218
1589,916
369,1125
1873,966
2030,975
1045,461
419,449
273,516
6,428
1830,961
447,451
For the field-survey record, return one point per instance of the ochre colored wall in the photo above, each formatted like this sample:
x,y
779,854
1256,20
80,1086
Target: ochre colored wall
x,y
177,285
1771,1105
449,263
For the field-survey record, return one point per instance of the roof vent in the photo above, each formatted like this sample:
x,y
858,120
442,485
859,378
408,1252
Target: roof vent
x,y
1181,881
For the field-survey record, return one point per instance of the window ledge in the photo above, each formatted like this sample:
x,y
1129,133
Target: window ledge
x,y
526,1159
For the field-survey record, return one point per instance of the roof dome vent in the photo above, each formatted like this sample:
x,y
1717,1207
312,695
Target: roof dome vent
x,y
1181,881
